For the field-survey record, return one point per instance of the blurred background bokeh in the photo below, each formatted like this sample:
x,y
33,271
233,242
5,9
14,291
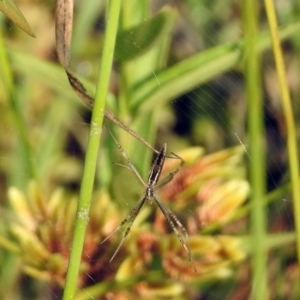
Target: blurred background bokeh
x,y
44,129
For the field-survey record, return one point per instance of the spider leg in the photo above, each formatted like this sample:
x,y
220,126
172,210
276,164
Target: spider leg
x,y
124,166
172,174
130,165
129,219
169,215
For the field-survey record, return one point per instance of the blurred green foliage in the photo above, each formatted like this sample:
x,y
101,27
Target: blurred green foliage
x,y
177,78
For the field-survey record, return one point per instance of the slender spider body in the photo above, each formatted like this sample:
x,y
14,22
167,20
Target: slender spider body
x,y
149,195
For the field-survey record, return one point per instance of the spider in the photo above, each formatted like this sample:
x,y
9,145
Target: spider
x,y
149,195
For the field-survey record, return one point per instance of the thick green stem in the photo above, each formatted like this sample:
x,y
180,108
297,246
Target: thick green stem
x,y
92,150
257,149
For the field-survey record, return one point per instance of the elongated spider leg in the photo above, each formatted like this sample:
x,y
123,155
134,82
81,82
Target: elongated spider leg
x,y
129,219
169,215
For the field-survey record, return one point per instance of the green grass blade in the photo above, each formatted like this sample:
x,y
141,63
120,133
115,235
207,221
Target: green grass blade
x,y
257,149
7,77
15,15
193,71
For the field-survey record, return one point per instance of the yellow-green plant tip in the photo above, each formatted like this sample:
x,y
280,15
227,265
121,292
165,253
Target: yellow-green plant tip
x,y
126,269
222,164
102,202
236,255
235,194
221,272
38,274
224,201
61,213
45,231
55,204
201,245
163,290
231,155
15,15
56,262
30,244
9,245
232,246
21,208
219,269
37,202
189,155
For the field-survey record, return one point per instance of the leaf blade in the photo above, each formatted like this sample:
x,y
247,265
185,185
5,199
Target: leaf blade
x,y
14,14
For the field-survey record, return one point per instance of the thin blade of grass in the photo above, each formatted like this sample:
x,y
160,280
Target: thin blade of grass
x,y
289,118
